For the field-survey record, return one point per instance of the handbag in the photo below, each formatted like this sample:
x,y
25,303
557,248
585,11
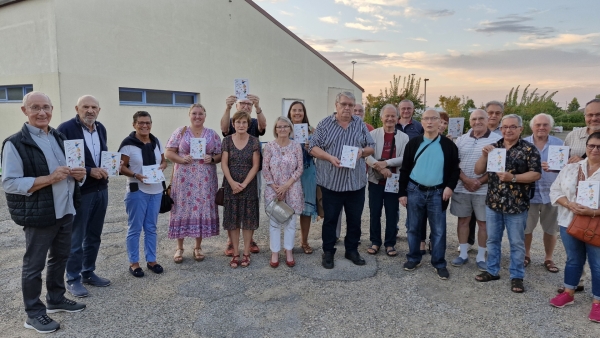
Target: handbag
x,y
173,171
220,196
166,202
585,228
279,211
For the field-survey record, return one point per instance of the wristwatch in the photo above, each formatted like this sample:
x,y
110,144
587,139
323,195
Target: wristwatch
x,y
514,179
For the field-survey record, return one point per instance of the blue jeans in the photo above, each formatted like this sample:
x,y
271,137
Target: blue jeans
x,y
421,206
515,229
142,213
576,251
85,239
353,203
378,198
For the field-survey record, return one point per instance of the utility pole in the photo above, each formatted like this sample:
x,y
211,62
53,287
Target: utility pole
x,y
425,98
353,63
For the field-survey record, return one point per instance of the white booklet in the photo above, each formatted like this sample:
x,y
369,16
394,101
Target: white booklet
x,y
153,173
456,125
558,156
496,160
301,132
242,88
392,184
110,161
349,157
75,154
587,193
198,148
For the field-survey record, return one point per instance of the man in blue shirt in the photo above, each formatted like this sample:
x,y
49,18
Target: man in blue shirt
x,y
406,123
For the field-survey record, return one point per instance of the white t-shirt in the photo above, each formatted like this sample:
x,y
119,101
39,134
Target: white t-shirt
x,y
135,165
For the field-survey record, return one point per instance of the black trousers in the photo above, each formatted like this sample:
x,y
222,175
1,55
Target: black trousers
x,y
353,203
53,242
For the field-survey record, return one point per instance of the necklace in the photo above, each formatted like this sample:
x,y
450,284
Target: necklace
x,y
197,133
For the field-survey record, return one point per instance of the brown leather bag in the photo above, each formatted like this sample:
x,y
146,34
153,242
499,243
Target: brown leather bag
x,y
585,228
220,196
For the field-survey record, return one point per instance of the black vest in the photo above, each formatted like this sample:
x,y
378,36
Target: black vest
x,y
36,210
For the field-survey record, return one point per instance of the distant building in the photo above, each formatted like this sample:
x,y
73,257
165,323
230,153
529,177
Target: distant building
x,y
159,56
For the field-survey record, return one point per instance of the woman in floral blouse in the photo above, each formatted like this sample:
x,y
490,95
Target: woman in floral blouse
x,y
282,169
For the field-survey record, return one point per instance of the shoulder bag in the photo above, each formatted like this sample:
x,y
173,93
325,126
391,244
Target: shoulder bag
x,y
279,211
585,228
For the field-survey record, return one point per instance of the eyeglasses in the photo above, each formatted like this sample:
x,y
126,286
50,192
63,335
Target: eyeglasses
x,y
495,113
143,123
509,127
346,105
591,147
37,109
430,118
282,127
593,115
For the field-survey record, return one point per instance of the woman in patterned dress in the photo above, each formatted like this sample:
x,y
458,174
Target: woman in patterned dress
x,y
282,168
240,162
194,184
297,114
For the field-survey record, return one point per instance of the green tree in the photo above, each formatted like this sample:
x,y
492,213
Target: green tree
x,y
451,104
530,104
393,95
598,96
574,105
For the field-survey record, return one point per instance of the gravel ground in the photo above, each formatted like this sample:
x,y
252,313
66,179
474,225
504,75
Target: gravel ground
x,y
209,299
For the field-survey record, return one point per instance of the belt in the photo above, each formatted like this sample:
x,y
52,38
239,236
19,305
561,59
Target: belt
x,y
426,188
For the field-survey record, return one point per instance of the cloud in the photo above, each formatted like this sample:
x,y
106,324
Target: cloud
x,y
345,57
482,7
357,25
292,28
533,41
329,19
361,20
322,45
286,13
512,24
427,13
419,39
362,41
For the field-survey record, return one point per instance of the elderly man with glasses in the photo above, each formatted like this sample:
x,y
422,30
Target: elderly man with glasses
x,y
507,200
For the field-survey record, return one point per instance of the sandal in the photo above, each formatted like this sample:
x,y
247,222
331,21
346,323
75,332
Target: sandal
x,y
549,264
246,261
579,288
198,256
307,249
516,285
391,251
486,277
233,263
178,258
373,250
527,261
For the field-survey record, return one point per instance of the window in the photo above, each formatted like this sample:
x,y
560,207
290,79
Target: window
x,y
133,96
14,93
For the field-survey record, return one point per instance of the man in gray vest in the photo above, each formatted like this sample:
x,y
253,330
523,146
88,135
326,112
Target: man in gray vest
x,y
42,194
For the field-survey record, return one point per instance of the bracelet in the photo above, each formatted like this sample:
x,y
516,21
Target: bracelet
x,y
258,112
134,176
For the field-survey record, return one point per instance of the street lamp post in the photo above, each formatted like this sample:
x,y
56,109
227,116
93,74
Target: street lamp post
x,y
353,63
425,98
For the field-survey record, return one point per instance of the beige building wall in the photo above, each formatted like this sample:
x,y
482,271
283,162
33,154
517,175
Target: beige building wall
x,y
183,45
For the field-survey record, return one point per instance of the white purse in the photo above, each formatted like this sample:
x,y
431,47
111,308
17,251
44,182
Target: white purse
x,y
279,211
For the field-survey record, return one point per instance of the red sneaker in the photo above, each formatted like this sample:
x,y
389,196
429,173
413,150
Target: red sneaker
x,y
595,313
229,250
254,248
562,300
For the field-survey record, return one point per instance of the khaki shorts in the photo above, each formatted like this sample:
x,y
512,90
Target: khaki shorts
x,y
546,214
463,205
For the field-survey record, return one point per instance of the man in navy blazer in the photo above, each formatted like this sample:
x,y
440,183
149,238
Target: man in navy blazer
x,y
89,220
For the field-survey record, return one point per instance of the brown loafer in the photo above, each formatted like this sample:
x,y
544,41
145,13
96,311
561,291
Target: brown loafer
x,y
254,248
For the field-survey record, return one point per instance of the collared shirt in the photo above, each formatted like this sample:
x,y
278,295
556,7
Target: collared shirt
x,y
542,186
508,197
331,138
414,128
469,151
92,141
13,181
429,168
498,131
576,140
566,185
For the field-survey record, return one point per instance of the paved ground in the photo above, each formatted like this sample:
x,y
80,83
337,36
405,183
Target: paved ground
x,y
209,299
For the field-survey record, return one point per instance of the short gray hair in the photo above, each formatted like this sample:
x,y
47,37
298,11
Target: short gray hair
x,y
592,101
495,103
390,106
346,94
26,97
407,100
286,120
513,116
549,117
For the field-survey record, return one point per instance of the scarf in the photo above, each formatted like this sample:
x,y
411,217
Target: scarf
x,y
148,156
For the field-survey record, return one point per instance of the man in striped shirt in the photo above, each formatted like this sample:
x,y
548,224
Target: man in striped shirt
x,y
341,187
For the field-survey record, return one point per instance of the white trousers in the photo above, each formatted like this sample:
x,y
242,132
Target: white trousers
x,y
289,231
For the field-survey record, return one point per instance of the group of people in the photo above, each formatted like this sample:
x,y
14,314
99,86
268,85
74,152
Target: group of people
x,y
62,209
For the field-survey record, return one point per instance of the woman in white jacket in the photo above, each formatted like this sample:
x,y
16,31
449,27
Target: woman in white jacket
x,y
387,160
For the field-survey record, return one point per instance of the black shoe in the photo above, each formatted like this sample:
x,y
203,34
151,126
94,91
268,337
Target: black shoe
x,y
138,272
42,324
327,260
354,256
410,266
156,268
442,273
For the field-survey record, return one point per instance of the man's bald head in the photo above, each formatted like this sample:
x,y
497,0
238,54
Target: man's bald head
x,y
88,109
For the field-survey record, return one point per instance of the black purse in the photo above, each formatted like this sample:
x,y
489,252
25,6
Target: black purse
x,y
166,202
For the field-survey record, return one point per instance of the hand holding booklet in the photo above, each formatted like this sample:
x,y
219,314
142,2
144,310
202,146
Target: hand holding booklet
x,y
74,154
392,183
349,157
153,174
110,161
198,148
496,160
